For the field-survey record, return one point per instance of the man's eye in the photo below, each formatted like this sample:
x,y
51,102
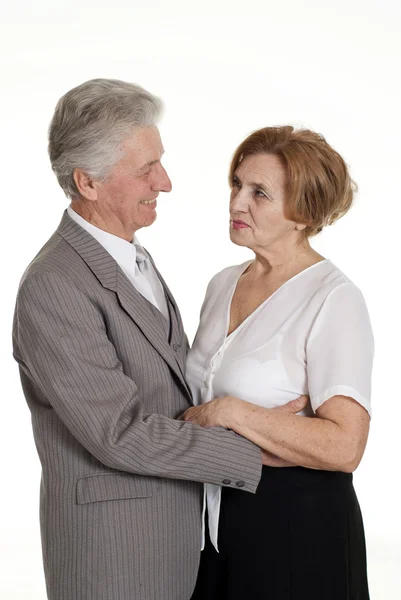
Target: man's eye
x,y
260,194
236,183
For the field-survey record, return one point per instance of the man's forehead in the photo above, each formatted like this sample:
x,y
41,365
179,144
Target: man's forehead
x,y
144,147
143,138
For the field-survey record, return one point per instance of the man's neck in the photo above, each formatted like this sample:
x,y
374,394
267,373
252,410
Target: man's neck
x,y
112,225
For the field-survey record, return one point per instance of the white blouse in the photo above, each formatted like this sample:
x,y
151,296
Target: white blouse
x,y
312,336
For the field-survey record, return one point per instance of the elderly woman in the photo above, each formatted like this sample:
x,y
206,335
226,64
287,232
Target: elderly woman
x,y
285,324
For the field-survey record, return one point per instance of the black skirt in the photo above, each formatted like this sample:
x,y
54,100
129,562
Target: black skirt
x,y
300,537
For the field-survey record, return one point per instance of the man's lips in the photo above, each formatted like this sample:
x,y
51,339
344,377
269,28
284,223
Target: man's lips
x,y
237,224
152,203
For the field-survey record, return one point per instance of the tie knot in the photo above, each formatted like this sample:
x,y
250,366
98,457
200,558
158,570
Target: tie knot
x,y
141,255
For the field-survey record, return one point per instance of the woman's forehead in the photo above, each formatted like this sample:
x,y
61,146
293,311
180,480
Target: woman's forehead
x,y
261,168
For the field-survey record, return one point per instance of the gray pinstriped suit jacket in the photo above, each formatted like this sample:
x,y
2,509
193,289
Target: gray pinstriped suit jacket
x,y
120,502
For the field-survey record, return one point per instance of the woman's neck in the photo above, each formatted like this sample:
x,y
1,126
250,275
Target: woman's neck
x,y
284,264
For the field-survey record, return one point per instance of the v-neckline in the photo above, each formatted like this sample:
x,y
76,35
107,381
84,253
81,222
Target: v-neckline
x,y
228,336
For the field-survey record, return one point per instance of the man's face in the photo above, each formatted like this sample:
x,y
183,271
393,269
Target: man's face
x,y
127,198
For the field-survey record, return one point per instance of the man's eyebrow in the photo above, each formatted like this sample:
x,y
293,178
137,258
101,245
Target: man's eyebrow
x,y
150,163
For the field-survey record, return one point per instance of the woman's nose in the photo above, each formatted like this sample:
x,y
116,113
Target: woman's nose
x,y
238,202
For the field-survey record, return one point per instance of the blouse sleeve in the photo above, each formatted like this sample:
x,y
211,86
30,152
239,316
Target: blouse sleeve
x,y
340,348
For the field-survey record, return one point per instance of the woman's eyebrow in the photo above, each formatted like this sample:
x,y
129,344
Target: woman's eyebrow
x,y
258,184
264,186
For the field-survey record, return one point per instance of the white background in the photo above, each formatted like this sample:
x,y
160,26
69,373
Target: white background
x,y
223,69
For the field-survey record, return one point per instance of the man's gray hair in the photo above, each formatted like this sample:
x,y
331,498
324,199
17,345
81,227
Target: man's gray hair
x,y
89,124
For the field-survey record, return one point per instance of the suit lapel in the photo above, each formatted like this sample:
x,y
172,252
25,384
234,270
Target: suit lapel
x,y
107,271
149,320
177,335
177,326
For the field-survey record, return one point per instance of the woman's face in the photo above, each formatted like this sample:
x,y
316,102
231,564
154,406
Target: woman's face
x,y
257,204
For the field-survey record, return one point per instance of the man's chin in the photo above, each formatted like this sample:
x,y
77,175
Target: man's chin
x,y
150,221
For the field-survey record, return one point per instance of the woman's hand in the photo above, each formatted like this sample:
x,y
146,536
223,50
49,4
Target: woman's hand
x,y
228,410
216,413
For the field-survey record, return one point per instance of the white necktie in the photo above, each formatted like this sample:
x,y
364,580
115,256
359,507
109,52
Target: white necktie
x,y
143,284
148,282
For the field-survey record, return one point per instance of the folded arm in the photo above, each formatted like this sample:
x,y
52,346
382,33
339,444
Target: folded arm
x,y
61,344
334,440
339,355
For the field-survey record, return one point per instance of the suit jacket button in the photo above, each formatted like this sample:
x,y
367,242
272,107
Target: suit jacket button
x,y
176,347
226,481
240,483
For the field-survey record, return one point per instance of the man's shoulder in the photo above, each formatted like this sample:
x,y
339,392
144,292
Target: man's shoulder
x,y
56,259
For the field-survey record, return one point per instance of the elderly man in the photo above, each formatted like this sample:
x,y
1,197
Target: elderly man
x,y
101,350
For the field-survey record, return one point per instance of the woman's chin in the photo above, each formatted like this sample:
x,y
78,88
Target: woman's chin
x,y
237,238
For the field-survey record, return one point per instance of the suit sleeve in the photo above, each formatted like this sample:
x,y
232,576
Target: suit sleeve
x,y
61,343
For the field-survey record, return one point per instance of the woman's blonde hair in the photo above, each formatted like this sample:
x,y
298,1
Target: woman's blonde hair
x,y
319,189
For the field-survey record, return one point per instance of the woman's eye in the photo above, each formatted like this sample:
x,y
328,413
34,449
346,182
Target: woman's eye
x,y
236,183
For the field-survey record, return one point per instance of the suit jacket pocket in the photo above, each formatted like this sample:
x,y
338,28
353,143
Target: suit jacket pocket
x,y
111,486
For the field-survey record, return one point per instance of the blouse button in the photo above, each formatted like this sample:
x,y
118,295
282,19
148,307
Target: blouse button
x,y
240,483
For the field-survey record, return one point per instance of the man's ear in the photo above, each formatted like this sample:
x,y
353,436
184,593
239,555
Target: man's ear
x,y
85,184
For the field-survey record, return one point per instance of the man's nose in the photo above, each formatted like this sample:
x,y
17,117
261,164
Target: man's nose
x,y
162,181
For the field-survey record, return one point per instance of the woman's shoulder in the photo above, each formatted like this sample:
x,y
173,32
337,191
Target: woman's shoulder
x,y
334,292
226,277
329,277
324,286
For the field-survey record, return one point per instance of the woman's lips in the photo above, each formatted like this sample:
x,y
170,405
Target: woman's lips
x,y
239,224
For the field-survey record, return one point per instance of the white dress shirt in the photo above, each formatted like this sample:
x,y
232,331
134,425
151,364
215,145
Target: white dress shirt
x,y
312,336
125,255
